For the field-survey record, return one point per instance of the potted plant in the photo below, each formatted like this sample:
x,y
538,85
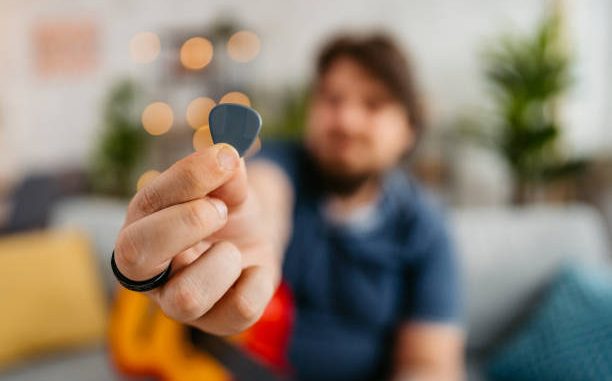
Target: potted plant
x,y
122,143
528,75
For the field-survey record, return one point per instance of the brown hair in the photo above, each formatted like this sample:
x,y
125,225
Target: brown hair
x,y
383,59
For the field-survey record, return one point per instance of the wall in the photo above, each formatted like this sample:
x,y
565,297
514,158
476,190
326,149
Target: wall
x,y
47,123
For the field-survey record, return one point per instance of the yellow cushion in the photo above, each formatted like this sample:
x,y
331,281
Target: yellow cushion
x,y
51,296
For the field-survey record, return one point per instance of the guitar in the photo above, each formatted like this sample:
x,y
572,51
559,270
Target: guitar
x,y
145,342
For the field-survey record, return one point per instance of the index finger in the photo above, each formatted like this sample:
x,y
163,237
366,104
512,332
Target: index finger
x,y
192,177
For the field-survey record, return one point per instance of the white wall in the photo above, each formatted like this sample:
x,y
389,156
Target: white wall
x,y
45,123
589,105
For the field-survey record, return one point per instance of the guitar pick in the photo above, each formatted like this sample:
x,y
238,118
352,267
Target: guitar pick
x,y
234,124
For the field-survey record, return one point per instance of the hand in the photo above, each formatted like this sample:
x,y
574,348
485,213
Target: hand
x,y
202,216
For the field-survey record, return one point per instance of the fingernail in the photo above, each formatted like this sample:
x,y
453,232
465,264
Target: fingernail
x,y
227,158
220,206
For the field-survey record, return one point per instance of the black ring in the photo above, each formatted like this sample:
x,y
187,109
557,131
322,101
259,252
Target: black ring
x,y
143,285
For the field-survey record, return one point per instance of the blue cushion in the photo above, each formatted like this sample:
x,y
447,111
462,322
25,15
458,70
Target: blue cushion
x,y
569,336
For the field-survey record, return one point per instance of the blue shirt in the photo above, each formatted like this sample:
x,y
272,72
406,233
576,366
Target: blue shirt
x,y
354,287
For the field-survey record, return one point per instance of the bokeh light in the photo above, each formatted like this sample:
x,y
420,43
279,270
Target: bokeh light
x,y
236,97
146,178
198,111
144,47
243,46
157,118
202,138
196,53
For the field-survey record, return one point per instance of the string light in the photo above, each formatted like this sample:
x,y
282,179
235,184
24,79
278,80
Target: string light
x,y
236,97
243,46
196,53
146,178
198,111
144,47
157,118
202,138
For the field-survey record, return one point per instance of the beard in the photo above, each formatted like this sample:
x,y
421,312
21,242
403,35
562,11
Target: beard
x,y
337,181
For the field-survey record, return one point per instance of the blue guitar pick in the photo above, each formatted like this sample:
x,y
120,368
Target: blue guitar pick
x,y
234,124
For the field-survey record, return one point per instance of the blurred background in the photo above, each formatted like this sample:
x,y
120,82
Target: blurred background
x,y
97,98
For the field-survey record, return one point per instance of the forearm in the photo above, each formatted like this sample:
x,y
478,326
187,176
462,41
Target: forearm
x,y
274,197
427,372
429,352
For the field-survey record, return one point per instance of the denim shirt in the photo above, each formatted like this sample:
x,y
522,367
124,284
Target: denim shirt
x,y
352,286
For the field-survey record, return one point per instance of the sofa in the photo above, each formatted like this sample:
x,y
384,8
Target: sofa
x,y
507,258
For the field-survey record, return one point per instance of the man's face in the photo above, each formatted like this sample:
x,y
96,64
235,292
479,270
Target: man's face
x,y
356,129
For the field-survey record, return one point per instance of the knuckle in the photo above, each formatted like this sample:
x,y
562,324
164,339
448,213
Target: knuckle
x,y
126,250
200,172
216,326
185,304
247,310
196,214
231,255
190,172
149,201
